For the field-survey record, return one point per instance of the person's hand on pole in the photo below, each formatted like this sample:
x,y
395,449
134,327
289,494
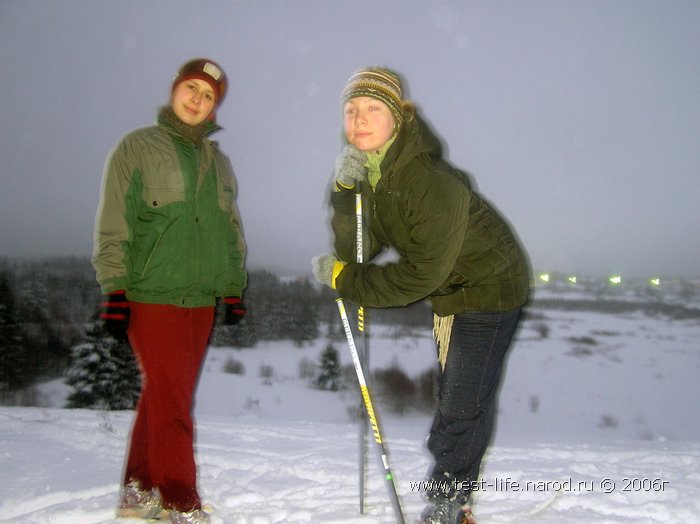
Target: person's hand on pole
x,y
350,167
326,269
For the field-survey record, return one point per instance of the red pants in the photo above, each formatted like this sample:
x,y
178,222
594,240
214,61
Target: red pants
x,y
169,343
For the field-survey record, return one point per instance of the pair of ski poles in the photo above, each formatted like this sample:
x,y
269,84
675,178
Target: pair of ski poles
x,y
364,390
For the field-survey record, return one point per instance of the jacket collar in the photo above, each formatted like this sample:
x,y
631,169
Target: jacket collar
x,y
414,138
167,118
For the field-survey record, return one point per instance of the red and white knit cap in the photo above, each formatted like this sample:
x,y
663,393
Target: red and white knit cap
x,y
207,70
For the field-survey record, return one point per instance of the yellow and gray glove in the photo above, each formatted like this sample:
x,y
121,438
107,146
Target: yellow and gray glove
x,y
326,269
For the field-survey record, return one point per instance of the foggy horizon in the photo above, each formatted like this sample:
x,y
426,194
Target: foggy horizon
x,y
579,122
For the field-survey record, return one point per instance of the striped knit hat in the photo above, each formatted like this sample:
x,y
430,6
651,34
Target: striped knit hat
x,y
380,83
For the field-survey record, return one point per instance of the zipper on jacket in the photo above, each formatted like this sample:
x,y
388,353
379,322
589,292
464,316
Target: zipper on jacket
x,y
195,206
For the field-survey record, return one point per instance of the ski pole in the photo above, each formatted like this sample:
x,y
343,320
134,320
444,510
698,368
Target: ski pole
x,y
374,424
364,350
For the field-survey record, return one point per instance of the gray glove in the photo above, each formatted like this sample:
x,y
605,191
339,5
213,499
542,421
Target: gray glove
x,y
322,266
350,166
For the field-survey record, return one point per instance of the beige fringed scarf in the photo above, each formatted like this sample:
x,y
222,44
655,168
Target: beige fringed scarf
x,y
442,329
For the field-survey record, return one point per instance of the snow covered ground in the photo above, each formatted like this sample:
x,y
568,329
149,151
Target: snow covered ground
x,y
598,423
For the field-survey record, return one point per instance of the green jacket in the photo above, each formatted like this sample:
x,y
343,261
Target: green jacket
x,y
452,246
167,227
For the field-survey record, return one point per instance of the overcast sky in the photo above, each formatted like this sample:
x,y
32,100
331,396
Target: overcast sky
x,y
579,120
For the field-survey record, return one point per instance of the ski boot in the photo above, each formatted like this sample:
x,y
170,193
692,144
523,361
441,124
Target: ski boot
x,y
196,516
445,511
140,504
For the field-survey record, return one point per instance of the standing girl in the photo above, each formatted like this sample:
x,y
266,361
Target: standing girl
x,y
168,244
453,249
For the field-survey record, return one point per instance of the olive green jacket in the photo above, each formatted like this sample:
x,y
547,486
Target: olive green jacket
x,y
453,247
167,228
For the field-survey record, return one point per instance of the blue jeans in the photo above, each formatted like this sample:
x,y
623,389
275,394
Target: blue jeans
x,y
466,394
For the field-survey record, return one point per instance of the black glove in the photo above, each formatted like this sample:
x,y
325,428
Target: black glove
x,y
114,313
234,310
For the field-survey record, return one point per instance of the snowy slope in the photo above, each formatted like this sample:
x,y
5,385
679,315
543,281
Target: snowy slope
x,y
62,467
597,423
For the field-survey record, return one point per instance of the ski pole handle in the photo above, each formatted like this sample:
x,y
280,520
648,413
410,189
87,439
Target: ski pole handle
x,y
359,247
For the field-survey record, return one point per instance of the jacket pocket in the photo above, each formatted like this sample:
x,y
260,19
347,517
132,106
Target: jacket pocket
x,y
163,186
158,197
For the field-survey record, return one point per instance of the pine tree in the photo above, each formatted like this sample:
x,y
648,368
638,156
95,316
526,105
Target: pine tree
x,y
262,298
242,335
303,315
15,368
50,354
103,373
330,371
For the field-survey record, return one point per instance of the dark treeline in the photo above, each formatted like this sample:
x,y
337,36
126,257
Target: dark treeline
x,y
49,327
48,312
44,306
